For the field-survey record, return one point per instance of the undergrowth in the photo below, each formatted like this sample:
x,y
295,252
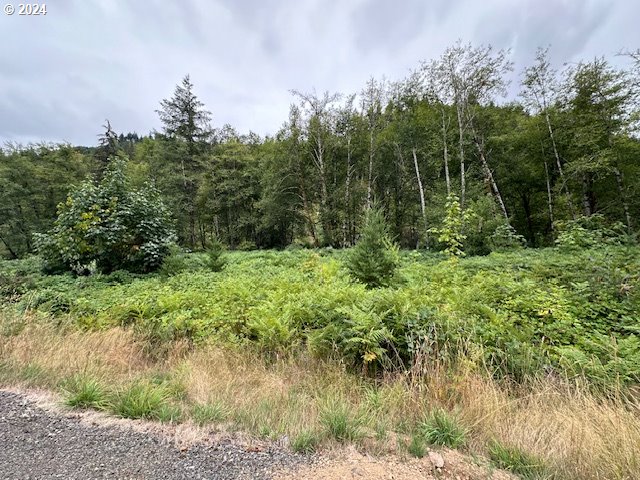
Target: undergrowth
x,y
517,313
504,355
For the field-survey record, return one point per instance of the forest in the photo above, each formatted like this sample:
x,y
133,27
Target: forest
x,y
429,263
565,149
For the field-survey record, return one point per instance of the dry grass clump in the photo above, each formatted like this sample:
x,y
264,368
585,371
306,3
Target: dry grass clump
x,y
63,352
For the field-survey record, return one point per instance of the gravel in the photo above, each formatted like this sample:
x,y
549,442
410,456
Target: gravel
x,y
38,444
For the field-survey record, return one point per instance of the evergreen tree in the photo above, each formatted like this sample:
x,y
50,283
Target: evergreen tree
x,y
374,259
186,122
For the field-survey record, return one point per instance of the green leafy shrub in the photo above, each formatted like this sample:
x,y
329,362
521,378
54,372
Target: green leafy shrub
x,y
374,259
14,286
51,301
590,231
451,233
519,313
506,238
440,428
215,256
360,336
516,461
108,226
175,262
246,246
609,360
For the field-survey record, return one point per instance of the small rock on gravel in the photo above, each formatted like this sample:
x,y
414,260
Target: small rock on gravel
x,y
436,459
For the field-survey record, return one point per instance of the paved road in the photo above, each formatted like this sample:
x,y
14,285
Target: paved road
x,y
38,444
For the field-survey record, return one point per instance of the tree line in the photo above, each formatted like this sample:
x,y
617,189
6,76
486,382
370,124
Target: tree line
x,y
566,148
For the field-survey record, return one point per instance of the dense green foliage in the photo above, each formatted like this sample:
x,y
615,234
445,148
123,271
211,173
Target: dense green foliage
x,y
434,162
568,147
456,221
108,226
373,260
33,182
518,313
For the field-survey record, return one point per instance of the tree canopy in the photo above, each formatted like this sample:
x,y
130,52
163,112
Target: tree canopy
x,y
566,148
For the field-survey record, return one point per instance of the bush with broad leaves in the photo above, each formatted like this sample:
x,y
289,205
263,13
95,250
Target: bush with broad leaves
x,y
108,226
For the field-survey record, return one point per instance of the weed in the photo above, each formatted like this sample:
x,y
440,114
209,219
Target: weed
x,y
516,460
33,375
264,431
306,441
84,391
416,446
169,413
339,422
140,400
381,431
440,428
207,413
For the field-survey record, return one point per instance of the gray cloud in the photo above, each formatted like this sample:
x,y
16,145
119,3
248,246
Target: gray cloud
x,y
381,25
63,74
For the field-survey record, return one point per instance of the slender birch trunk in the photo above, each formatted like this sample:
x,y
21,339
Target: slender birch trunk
x,y
489,175
623,197
556,155
370,180
446,155
549,199
347,196
421,190
461,148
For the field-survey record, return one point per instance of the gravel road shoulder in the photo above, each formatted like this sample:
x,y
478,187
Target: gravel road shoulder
x,y
41,440
41,443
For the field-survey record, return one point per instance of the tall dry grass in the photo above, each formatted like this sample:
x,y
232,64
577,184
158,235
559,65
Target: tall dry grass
x,y
578,434
60,352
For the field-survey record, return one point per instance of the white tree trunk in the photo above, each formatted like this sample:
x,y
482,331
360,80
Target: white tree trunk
x,y
489,175
347,197
370,180
549,199
559,163
623,197
461,147
446,155
421,189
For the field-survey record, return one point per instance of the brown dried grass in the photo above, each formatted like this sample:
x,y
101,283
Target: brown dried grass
x,y
579,435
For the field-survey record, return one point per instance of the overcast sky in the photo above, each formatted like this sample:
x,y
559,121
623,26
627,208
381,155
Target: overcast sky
x,y
63,74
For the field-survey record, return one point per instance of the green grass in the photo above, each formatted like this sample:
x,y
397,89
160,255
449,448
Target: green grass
x,y
33,375
265,432
209,413
339,421
517,461
416,447
441,428
141,400
169,413
84,391
306,441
